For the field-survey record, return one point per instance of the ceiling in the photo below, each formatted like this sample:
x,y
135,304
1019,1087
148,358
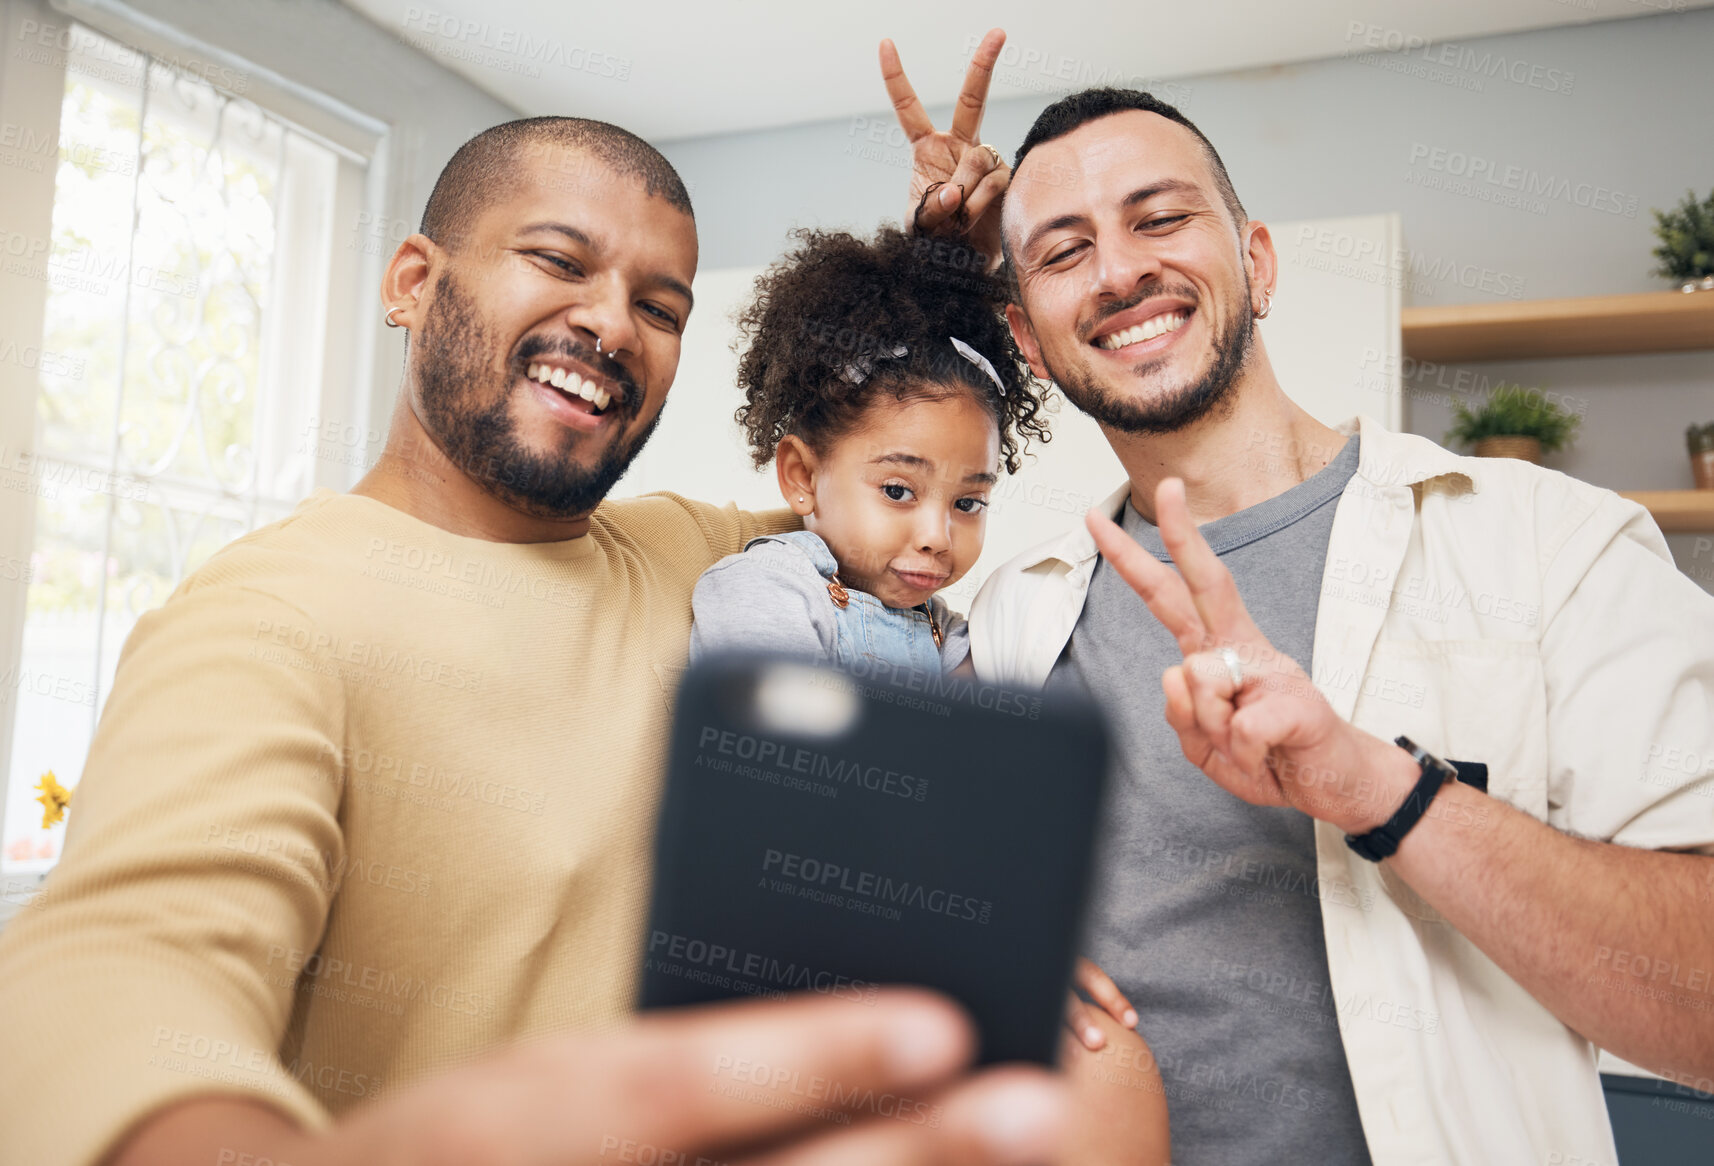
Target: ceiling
x,y
675,69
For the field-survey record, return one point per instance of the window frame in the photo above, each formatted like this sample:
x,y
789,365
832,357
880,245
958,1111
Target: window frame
x,y
31,93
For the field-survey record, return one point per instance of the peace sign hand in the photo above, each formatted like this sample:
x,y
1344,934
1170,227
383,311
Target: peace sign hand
x,y
972,176
1245,713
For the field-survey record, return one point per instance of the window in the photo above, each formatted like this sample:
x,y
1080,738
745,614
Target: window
x,y
179,375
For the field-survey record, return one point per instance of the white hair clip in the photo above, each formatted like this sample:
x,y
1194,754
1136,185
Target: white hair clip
x,y
857,371
980,361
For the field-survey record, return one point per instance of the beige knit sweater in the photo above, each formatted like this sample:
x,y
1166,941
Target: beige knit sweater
x,y
367,799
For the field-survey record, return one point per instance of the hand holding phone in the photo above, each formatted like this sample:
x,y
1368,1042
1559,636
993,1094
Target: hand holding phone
x,y
829,832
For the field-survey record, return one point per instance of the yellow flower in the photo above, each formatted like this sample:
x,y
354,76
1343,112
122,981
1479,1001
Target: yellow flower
x,y
54,798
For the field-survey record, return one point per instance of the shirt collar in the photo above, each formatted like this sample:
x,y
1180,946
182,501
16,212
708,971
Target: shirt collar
x,y
1384,458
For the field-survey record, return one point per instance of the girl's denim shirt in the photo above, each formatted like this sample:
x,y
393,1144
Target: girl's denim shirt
x,y
774,597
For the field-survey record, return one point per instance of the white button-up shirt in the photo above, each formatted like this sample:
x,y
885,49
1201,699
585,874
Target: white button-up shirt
x,y
1492,611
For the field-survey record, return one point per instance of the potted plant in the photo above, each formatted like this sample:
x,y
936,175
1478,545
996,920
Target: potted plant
x,y
1514,422
1701,440
1686,250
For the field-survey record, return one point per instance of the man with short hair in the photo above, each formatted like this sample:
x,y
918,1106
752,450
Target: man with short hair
x,y
374,792
1350,960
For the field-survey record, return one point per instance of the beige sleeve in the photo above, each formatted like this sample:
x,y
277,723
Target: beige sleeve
x,y
724,528
202,840
1628,658
756,523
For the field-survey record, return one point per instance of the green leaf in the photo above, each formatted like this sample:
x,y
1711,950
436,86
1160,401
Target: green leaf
x,y
1686,235
1513,411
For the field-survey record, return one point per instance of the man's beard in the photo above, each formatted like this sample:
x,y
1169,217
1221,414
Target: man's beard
x,y
452,372
1173,409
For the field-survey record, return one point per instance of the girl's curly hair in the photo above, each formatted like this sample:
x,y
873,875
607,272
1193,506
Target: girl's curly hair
x,y
841,320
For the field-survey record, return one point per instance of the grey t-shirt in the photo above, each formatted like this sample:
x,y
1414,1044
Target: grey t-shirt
x,y
1206,908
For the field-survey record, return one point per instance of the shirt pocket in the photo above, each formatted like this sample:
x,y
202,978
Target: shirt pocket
x,y
1466,700
1462,700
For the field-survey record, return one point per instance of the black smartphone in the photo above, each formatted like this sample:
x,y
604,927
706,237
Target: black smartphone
x,y
830,831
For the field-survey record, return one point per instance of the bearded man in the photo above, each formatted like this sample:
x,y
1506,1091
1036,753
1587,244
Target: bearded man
x,y
1342,947
374,792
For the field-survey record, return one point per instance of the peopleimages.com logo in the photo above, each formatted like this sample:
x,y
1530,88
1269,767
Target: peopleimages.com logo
x,y
1478,172
827,878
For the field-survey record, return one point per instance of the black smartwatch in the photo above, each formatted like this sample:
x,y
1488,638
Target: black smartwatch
x,y
1384,839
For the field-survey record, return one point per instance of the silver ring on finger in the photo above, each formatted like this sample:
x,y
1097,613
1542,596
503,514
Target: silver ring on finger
x,y
1234,667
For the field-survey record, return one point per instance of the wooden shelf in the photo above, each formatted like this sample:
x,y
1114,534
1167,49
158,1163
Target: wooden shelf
x,y
1677,510
1668,321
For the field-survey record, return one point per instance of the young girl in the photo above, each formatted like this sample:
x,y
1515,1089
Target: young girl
x,y
881,380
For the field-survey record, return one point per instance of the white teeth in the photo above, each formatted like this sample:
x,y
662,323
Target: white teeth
x,y
1147,330
570,383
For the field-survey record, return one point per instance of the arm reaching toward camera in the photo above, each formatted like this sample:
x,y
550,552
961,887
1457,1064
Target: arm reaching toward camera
x,y
722,1082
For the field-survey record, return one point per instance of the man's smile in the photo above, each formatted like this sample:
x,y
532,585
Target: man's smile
x,y
571,411
576,395
574,384
1142,330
